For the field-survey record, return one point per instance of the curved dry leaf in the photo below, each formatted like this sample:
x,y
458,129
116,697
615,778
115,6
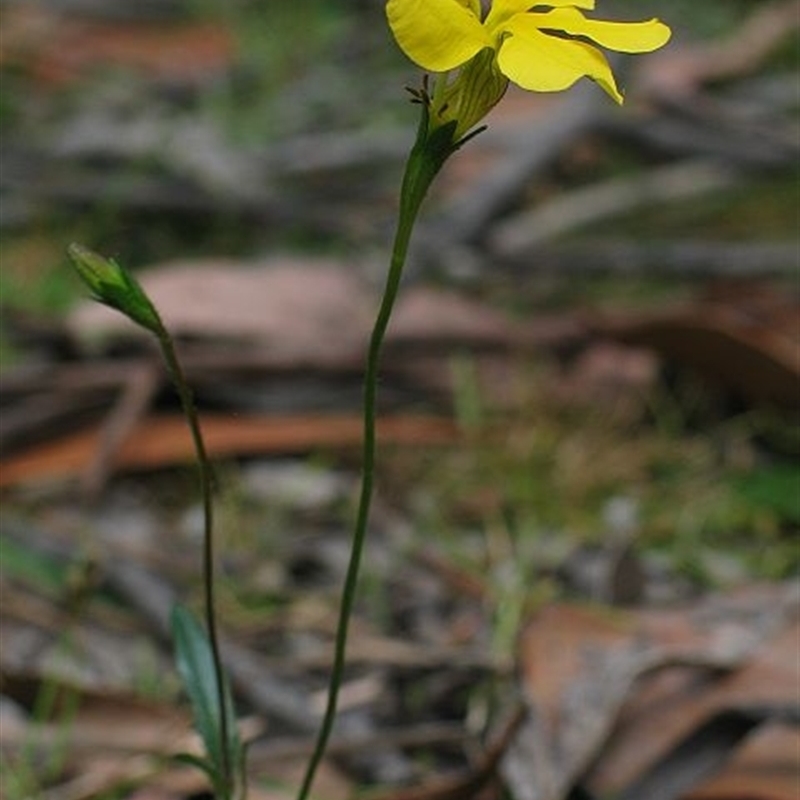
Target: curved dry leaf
x,y
746,341
580,666
297,309
766,767
163,440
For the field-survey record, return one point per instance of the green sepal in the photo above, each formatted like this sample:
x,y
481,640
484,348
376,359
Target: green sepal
x,y
477,88
114,286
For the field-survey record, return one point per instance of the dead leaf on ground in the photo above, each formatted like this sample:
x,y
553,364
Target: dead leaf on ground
x,y
304,310
161,441
59,48
581,665
429,315
745,339
98,753
667,706
765,767
108,740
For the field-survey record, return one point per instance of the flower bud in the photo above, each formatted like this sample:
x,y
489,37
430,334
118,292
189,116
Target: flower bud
x,y
114,286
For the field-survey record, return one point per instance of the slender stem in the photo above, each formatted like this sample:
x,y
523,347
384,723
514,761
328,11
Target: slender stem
x,y
206,488
412,194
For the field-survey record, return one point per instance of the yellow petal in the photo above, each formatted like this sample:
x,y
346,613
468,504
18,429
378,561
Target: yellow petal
x,y
510,7
587,4
624,37
439,35
543,63
473,5
502,11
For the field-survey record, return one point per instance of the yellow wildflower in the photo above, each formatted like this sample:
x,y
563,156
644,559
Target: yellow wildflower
x,y
543,47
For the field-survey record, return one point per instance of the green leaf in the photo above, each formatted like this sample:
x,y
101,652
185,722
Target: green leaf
x,y
195,664
197,761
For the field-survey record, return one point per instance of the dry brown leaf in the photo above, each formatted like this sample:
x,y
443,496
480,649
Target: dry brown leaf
x,y
765,767
580,664
305,311
150,727
112,739
309,310
667,706
435,316
745,341
162,441
57,48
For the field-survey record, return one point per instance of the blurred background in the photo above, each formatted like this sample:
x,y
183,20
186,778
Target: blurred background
x,y
590,387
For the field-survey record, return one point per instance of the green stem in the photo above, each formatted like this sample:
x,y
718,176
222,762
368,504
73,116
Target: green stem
x,y
206,488
426,158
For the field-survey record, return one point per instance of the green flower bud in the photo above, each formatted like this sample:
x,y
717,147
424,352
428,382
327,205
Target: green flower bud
x,y
114,286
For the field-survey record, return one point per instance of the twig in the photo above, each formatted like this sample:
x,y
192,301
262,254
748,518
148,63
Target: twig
x,y
680,258
137,394
611,198
466,786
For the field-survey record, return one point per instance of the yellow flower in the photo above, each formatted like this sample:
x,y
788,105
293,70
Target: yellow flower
x,y
544,47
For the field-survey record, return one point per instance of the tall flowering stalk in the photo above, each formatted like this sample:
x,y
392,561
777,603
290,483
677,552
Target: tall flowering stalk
x,y
473,49
474,52
197,650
